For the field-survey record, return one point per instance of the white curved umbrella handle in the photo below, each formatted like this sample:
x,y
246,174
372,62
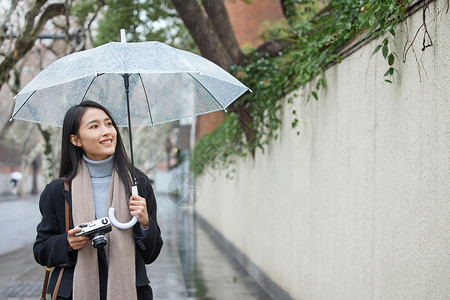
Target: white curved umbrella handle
x,y
116,223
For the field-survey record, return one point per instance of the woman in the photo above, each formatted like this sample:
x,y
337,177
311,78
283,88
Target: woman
x,y
94,163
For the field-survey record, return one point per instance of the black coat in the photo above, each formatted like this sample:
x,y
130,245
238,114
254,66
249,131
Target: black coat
x,y
50,248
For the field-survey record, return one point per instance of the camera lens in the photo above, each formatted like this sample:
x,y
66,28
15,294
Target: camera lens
x,y
99,241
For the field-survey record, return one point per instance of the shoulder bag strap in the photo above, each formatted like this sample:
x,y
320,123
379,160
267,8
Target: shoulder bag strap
x,y
44,287
66,216
47,269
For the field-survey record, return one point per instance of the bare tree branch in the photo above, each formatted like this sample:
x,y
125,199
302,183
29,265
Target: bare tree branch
x,y
28,35
88,28
50,12
5,21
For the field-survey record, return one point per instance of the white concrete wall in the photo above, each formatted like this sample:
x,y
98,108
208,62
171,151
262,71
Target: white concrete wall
x,y
358,205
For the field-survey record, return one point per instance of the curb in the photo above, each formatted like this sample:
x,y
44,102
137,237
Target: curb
x,y
17,197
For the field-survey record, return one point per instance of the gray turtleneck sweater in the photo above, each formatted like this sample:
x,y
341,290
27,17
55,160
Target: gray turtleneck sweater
x,y
100,172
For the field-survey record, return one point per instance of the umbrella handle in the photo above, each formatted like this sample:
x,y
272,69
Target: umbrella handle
x,y
116,223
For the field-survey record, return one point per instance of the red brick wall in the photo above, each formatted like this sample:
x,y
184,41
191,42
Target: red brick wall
x,y
247,19
207,123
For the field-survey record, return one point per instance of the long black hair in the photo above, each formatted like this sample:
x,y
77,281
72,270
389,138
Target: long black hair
x,y
71,155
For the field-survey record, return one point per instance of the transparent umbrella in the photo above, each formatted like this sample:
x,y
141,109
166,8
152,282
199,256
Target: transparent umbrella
x,y
165,84
141,84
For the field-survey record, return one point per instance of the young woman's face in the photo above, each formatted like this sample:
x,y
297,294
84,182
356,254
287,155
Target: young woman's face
x,y
96,135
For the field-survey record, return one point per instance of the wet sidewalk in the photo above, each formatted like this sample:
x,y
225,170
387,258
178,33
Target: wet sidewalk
x,y
190,266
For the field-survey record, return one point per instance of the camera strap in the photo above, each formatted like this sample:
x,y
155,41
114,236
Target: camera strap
x,y
61,271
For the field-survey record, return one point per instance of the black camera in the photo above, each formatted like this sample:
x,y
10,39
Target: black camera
x,y
96,230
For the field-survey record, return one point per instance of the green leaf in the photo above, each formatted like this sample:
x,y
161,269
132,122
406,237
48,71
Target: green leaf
x,y
389,72
377,49
391,59
318,84
388,29
385,50
315,95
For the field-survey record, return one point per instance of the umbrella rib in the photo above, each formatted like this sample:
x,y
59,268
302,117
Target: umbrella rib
x,y
146,98
24,102
92,81
208,92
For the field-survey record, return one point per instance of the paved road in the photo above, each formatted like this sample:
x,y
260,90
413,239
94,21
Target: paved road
x,y
18,220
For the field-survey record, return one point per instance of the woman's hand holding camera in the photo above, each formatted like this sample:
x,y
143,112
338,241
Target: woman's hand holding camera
x,y
138,208
76,242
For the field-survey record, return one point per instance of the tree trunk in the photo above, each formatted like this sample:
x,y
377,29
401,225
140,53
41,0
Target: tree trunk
x,y
14,86
203,33
35,166
218,15
25,167
48,159
246,120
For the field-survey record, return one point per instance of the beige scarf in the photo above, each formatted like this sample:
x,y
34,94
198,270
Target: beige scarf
x,y
119,250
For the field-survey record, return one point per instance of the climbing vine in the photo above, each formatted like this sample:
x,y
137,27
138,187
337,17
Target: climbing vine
x,y
317,36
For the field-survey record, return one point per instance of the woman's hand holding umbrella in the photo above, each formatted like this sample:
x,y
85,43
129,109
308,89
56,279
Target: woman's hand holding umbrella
x,y
138,209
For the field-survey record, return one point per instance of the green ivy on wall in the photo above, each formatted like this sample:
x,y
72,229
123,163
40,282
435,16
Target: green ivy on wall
x,y
317,35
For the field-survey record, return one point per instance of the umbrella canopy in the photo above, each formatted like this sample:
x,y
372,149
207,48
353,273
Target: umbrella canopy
x,y
165,84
